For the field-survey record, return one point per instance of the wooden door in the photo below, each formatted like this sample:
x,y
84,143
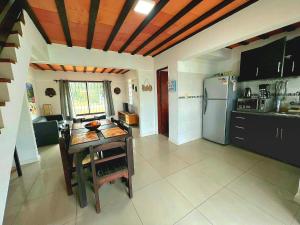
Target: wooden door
x,y
163,102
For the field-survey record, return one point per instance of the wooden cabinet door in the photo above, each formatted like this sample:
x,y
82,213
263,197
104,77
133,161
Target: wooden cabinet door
x,y
271,60
289,135
249,65
292,58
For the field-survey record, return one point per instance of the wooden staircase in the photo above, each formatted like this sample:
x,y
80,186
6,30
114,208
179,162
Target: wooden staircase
x,y
8,58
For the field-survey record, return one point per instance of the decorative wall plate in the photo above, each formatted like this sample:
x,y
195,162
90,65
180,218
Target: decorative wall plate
x,y
117,90
50,92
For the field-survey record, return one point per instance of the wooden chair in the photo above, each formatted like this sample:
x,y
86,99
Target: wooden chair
x,y
115,162
67,159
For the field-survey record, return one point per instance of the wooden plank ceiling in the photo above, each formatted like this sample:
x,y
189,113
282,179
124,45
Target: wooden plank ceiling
x,y
288,28
84,69
114,25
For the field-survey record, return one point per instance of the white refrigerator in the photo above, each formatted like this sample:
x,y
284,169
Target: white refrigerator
x,y
218,101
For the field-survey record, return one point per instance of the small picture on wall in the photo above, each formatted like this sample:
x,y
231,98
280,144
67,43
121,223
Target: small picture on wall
x,y
30,93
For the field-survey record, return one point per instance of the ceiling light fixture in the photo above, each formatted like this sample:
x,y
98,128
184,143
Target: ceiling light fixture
x,y
144,6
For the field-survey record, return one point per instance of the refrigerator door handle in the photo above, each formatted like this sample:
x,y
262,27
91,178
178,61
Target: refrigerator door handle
x,y
205,100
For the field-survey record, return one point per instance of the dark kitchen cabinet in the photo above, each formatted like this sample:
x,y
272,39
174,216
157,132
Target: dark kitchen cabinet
x,y
274,136
271,60
263,63
250,61
289,134
292,58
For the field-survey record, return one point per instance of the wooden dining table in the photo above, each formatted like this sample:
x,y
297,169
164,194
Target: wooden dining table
x,y
82,139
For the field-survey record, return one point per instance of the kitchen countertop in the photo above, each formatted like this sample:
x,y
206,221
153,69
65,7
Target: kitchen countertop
x,y
286,115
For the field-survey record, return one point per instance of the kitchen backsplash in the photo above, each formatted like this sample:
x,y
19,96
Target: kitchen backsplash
x,y
293,86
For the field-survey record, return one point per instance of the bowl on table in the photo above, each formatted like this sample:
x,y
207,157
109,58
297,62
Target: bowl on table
x,y
93,126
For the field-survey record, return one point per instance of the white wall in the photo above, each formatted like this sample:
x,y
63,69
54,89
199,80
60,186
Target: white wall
x,y
26,144
191,74
63,55
132,76
45,79
146,103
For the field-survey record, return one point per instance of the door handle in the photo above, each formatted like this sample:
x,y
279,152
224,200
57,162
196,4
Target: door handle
x,y
277,132
281,133
205,100
293,66
239,127
256,71
205,106
278,67
240,138
240,117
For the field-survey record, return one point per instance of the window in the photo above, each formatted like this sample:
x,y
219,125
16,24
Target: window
x,y
87,97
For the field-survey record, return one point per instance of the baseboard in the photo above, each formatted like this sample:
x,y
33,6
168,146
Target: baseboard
x,y
28,161
147,134
180,142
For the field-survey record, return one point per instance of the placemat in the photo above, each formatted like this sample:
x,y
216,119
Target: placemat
x,y
79,138
113,132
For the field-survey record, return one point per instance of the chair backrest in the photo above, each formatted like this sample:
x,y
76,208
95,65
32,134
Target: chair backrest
x,y
64,143
126,145
66,134
122,125
66,158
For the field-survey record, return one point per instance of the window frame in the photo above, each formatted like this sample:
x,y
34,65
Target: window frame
x,y
87,95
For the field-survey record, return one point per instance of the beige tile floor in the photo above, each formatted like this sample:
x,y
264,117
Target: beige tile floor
x,y
198,183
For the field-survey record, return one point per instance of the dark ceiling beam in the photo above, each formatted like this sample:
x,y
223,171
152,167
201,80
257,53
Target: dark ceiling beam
x,y
94,70
36,22
63,68
264,36
74,69
103,70
244,43
51,67
190,25
84,69
119,71
124,12
146,21
112,70
60,5
209,25
94,8
175,18
125,71
38,66
289,28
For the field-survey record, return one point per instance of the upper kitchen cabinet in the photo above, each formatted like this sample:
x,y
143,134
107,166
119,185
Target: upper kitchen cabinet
x,y
292,58
250,61
263,63
271,62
